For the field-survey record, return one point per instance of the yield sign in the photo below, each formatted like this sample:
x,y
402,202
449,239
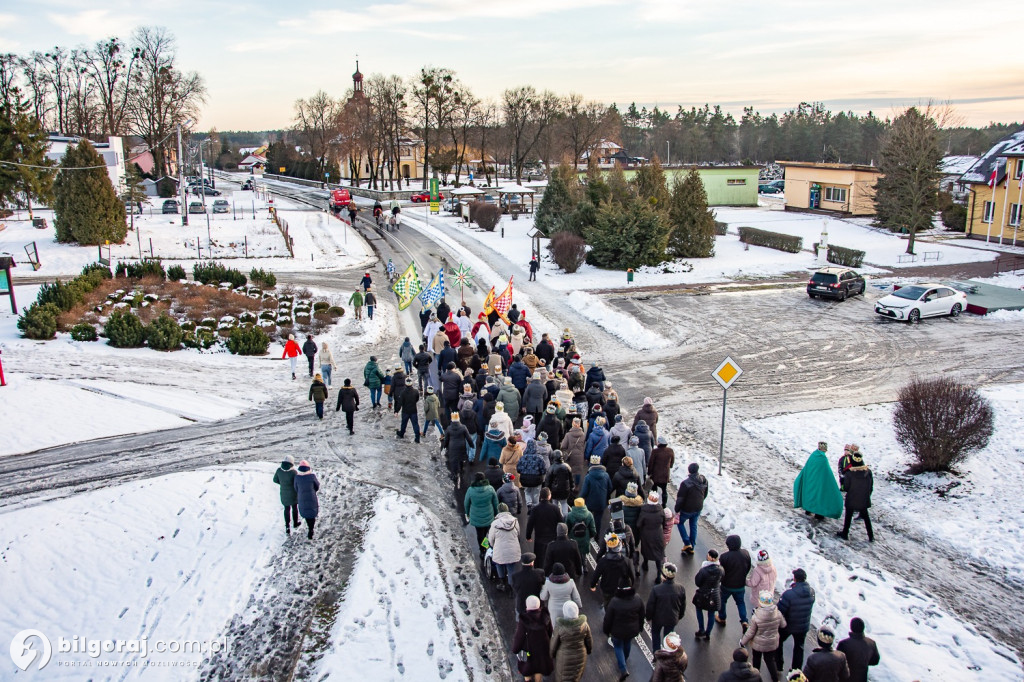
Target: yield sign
x,y
727,373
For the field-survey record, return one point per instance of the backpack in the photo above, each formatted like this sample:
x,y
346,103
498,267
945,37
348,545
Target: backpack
x,y
579,530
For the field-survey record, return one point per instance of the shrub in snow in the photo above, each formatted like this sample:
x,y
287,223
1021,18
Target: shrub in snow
x,y
321,305
124,330
97,270
146,268
284,320
265,279
721,229
268,315
487,216
955,217
188,325
208,322
175,273
336,311
568,250
84,331
164,333
212,272
940,422
64,296
201,339
247,317
773,240
251,341
39,321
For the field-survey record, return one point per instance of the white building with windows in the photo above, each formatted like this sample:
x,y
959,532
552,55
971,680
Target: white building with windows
x,y
112,152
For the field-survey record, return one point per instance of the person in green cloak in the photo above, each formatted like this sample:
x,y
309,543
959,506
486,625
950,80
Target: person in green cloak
x,y
815,489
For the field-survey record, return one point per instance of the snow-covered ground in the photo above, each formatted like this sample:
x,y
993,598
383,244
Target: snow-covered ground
x,y
170,559
733,260
321,242
395,619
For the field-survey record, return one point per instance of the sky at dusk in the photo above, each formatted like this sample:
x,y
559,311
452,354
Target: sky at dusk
x,y
257,57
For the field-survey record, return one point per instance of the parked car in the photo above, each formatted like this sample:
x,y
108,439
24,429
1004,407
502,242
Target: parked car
x,y
132,207
221,206
769,189
421,197
913,302
247,185
196,207
208,191
451,205
835,283
171,206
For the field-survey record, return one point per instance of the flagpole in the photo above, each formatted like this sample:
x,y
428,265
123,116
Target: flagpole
x,y
1006,198
1020,192
992,181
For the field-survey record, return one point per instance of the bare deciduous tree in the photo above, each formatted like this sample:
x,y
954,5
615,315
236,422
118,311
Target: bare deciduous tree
x,y
433,92
527,116
111,68
388,100
316,125
584,125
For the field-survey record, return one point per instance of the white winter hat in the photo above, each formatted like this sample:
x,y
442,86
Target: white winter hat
x,y
570,611
533,603
289,459
765,598
671,642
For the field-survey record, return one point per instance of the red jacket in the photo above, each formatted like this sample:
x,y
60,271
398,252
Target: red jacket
x,y
291,350
453,333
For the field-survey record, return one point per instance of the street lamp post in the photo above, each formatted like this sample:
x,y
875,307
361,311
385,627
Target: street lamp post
x,y
181,180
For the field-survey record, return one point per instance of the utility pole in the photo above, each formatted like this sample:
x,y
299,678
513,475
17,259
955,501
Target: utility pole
x,y
181,183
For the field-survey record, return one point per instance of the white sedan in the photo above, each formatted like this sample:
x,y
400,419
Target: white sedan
x,y
913,302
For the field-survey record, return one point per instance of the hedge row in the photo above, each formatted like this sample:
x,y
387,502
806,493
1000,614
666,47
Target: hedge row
x,y
773,240
144,268
214,273
721,228
39,320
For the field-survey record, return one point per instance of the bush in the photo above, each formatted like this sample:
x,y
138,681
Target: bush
x,y
124,330
321,306
64,296
773,240
251,341
721,229
568,250
487,216
336,311
627,236
84,331
39,321
140,269
267,280
175,273
212,272
164,333
840,255
940,422
200,339
955,217
97,270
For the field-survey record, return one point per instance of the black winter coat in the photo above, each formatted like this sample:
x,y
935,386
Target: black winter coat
x,y
859,485
612,458
445,356
709,581
564,551
624,617
666,604
612,568
348,399
545,351
861,652
544,520
422,361
527,581
407,400
309,348
691,494
735,563
451,385
624,477
559,481
495,476
826,665
456,442
594,374
739,672
551,425
796,605
650,529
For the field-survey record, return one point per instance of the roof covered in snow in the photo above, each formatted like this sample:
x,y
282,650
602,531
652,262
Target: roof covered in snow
x,y
957,165
994,158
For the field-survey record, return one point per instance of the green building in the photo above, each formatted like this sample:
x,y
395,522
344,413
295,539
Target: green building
x,y
725,185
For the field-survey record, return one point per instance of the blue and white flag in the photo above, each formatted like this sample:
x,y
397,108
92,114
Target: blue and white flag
x,y
434,291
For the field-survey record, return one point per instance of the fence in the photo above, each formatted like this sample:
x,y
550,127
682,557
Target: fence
x,y
1009,263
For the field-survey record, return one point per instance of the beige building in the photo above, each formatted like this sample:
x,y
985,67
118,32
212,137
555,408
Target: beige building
x,y
995,189
834,187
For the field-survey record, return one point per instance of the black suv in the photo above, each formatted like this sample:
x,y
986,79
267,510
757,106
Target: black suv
x,y
835,283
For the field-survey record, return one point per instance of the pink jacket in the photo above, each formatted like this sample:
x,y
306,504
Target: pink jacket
x,y
671,520
761,578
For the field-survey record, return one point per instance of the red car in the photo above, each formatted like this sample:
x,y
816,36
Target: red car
x,y
424,197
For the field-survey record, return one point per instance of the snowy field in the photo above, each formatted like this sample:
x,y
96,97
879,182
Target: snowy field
x,y
395,619
321,242
170,558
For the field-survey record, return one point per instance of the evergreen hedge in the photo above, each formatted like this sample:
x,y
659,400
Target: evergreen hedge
x,y
164,333
772,240
84,331
124,330
840,255
212,272
248,341
175,273
144,268
39,321
266,280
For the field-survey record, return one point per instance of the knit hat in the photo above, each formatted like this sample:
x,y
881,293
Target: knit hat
x,y
762,556
765,598
408,381
648,401
562,530
611,540
740,655
508,478
558,569
857,625
303,463
618,418
826,636
479,476
671,642
633,440
823,446
430,389
594,459
502,507
669,570
693,468
631,488
627,461
533,603
579,502
654,497
662,440
615,439
551,409
570,611
289,458
528,558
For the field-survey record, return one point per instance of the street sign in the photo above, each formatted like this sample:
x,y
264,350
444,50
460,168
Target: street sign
x,y
727,373
327,175
281,169
435,207
433,191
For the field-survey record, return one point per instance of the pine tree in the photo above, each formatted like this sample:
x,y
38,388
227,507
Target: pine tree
x,y
651,186
693,224
907,193
554,214
627,236
86,206
23,141
134,192
620,191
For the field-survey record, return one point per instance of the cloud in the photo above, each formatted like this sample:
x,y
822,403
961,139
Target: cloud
x,y
94,24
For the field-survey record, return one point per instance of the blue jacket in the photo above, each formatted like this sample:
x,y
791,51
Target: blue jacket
x,y
306,485
532,468
519,373
445,356
597,442
795,606
494,441
597,488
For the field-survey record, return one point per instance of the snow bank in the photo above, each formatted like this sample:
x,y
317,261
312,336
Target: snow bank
x,y
1011,280
170,558
395,618
619,324
1006,316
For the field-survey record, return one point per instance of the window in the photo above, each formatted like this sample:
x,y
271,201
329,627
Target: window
x,y
736,181
836,194
989,213
1020,169
1015,214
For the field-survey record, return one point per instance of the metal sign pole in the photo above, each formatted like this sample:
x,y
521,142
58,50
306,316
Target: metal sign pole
x,y
721,441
